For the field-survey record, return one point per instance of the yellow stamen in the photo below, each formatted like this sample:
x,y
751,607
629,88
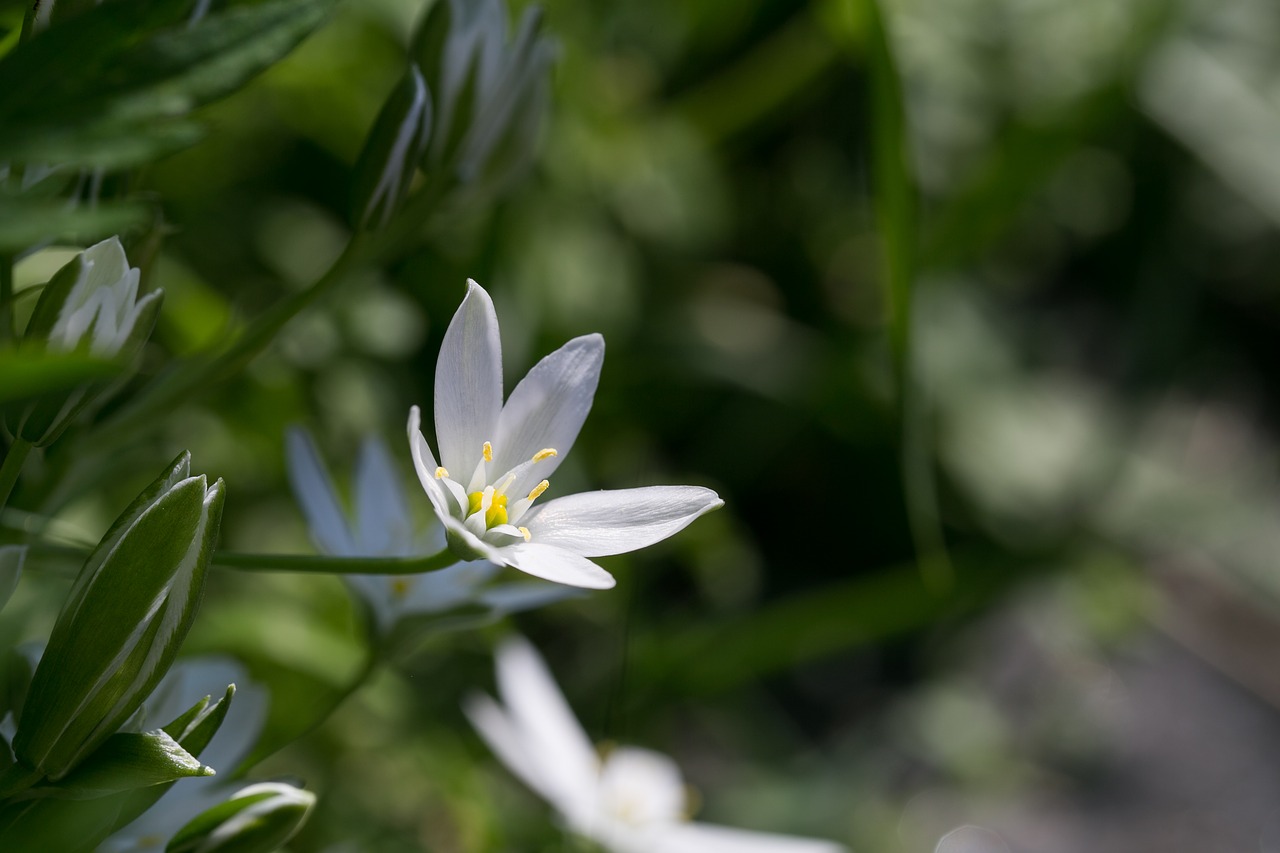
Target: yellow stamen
x,y
545,453
524,531
538,490
399,587
441,473
488,452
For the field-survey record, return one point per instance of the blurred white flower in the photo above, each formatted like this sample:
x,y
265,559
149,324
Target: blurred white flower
x,y
103,304
383,527
631,801
495,458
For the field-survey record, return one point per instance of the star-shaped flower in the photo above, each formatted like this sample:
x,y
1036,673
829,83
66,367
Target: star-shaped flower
x,y
381,526
495,460
631,801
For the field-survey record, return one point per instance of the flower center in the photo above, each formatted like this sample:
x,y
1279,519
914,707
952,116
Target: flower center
x,y
497,512
487,503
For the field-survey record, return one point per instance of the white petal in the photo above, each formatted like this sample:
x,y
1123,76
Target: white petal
x,y
383,525
709,838
375,591
596,524
555,564
507,742
566,762
425,464
468,382
441,590
315,493
547,409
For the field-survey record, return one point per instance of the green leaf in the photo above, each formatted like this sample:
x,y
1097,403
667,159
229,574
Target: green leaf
x,y
25,222
192,730
201,722
67,826
138,67
126,761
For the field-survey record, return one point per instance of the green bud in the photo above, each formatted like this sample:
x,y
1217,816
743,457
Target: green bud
x,y
122,623
257,819
396,143
488,93
91,305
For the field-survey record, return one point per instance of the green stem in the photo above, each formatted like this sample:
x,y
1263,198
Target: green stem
x,y
11,467
7,328
315,563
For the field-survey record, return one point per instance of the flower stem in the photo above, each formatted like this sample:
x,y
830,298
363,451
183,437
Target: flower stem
x,y
11,466
7,329
315,563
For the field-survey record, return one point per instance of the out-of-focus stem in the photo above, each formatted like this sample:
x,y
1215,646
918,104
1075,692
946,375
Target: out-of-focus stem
x,y
7,330
318,564
11,466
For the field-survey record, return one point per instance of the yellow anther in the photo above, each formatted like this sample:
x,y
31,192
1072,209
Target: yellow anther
x,y
399,588
538,490
488,452
524,531
545,453
441,473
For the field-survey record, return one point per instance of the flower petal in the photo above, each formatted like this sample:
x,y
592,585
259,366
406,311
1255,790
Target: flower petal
x,y
547,409
709,838
596,524
316,496
425,464
468,382
553,738
383,526
555,564
507,742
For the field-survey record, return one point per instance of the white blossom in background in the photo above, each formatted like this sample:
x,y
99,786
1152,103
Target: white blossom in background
x,y
630,801
103,305
382,526
495,460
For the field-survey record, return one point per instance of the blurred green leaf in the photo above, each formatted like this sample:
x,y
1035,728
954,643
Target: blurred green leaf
x,y
713,657
25,222
26,375
138,67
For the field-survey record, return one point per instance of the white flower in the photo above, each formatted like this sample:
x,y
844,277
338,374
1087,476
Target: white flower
x,y
631,801
495,460
382,526
103,303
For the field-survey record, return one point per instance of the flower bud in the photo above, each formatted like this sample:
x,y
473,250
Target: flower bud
x,y
396,143
488,94
257,819
90,305
123,621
